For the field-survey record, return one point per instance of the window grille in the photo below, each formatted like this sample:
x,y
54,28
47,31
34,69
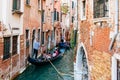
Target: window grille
x,y
100,8
14,45
6,52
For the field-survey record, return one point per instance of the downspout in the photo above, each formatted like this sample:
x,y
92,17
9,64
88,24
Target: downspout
x,y
116,24
77,26
41,25
11,51
52,22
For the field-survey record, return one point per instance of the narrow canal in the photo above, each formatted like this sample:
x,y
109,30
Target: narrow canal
x,y
47,72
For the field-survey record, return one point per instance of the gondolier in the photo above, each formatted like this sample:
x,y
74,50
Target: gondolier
x,y
36,45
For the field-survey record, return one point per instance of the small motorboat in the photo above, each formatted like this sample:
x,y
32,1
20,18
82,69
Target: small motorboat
x,y
40,61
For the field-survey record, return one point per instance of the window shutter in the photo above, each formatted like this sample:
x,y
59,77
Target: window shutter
x,y
72,4
42,37
72,19
43,15
18,4
61,16
57,16
39,34
14,4
54,15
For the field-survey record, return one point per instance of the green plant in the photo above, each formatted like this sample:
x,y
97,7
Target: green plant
x,y
72,39
64,9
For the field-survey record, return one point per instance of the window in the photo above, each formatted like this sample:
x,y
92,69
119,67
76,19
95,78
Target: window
x,y
42,37
39,34
83,8
55,12
14,45
43,16
118,69
27,38
72,19
57,16
61,17
28,2
16,4
52,14
72,4
27,34
100,8
52,36
6,53
39,4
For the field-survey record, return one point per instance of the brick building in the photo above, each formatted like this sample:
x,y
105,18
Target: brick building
x,y
98,49
50,26
21,21
11,37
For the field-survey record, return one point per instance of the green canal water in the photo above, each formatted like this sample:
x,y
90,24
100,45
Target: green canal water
x,y
64,65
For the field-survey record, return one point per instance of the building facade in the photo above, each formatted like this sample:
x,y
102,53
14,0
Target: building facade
x,y
98,50
21,21
11,37
50,26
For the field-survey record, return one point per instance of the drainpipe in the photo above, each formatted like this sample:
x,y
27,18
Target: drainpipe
x,y
41,25
116,24
77,25
11,51
52,22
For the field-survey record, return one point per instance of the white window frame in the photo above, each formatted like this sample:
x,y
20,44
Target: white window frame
x,y
83,17
115,57
109,13
39,4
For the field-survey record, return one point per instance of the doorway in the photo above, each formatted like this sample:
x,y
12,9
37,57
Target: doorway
x,y
33,37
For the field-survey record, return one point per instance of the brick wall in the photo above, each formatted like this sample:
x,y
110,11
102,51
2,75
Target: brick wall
x,y
99,56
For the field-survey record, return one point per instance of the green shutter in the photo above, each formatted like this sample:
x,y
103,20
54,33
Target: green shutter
x,y
14,4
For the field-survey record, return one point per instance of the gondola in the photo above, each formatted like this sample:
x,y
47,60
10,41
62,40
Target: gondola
x,y
39,61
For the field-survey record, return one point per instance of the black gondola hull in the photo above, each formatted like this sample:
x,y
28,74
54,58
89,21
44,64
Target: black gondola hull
x,y
39,62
